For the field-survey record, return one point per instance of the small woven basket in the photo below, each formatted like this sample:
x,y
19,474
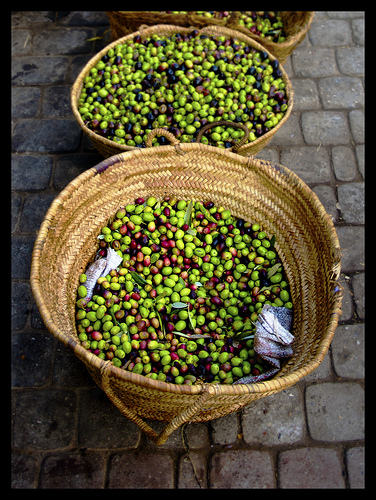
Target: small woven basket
x,y
296,25
107,147
255,190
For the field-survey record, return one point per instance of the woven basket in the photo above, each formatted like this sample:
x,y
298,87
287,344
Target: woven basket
x,y
296,24
255,190
107,147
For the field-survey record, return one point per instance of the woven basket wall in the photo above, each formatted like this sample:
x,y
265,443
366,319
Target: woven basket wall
x,y
296,24
255,190
107,147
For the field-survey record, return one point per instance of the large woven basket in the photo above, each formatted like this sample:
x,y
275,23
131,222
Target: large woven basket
x,y
107,147
296,24
255,190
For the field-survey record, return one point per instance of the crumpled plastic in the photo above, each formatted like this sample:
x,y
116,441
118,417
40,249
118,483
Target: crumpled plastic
x,y
272,340
99,268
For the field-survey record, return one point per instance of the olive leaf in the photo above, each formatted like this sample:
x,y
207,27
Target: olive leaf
x,y
192,232
273,270
198,283
207,214
138,279
193,336
188,214
179,305
272,241
181,281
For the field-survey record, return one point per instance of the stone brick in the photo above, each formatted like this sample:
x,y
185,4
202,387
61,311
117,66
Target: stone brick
x,y
310,164
358,283
36,70
68,470
225,429
344,163
25,101
24,469
325,128
348,351
43,136
68,167
140,470
31,359
20,299
360,157
330,32
356,118
196,435
15,205
305,94
358,29
20,44
356,467
56,101
34,211
63,41
314,62
328,199
350,60
351,240
310,468
341,92
289,134
347,301
98,420
68,370
276,419
335,411
21,250
192,471
44,419
351,200
322,372
31,173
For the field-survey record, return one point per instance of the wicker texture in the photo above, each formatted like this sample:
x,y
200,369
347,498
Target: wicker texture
x,y
296,25
107,147
255,190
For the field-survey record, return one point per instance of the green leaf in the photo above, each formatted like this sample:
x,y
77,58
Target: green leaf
x,y
179,305
181,281
138,279
192,232
198,283
272,241
273,270
193,336
207,214
188,214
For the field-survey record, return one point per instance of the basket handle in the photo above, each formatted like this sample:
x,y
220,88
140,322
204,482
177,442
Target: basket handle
x,y
208,390
161,131
227,123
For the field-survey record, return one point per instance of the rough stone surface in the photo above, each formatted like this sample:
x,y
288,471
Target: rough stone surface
x,y
66,434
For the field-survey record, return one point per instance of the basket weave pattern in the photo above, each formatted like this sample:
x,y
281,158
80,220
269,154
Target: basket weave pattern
x,y
255,190
107,147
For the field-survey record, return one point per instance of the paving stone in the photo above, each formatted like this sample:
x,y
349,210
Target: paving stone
x,y
89,18
268,154
140,470
330,32
31,173
83,470
358,29
36,70
341,92
289,134
348,351
46,136
63,41
356,118
44,419
360,157
68,167
335,411
274,420
314,62
192,471
20,44
225,429
310,468
358,283
196,435
24,470
21,250
102,425
312,165
68,370
344,163
242,469
25,101
322,372
34,211
325,128
351,240
347,301
31,359
351,200
340,14
356,467
20,299
305,94
328,199
15,204
56,101
350,60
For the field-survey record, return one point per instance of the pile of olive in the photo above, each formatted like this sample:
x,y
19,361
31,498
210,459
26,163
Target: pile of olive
x,y
183,304
182,82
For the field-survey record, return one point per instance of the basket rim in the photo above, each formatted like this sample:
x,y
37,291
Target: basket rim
x,y
276,383
77,85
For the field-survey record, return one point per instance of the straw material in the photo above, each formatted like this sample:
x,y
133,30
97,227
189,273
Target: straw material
x,y
107,147
296,25
255,190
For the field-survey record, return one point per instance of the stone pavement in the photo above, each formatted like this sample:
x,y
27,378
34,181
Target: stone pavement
x,y
65,432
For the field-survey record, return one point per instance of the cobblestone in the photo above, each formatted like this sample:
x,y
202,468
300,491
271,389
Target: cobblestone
x,y
65,432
